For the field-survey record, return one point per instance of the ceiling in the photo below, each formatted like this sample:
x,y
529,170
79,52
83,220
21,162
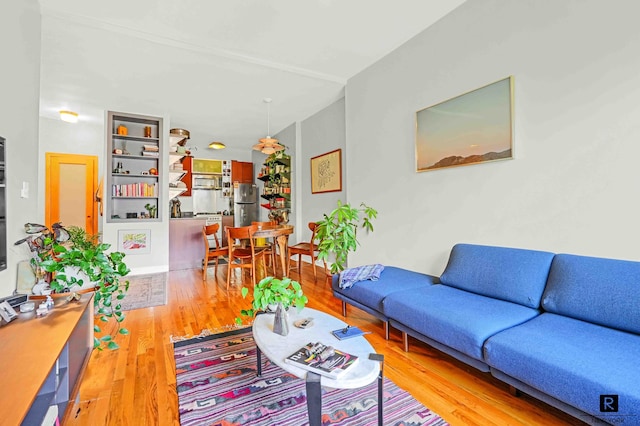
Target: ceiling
x,y
208,65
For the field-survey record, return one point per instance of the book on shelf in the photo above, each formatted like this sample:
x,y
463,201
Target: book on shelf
x,y
348,332
153,148
150,154
323,360
134,190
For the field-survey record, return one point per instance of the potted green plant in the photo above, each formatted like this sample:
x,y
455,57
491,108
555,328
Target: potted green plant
x,y
71,257
336,232
152,210
270,292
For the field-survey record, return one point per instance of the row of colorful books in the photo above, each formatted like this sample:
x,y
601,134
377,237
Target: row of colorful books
x,y
135,190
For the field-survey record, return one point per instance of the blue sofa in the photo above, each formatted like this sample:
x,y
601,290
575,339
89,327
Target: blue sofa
x,y
562,328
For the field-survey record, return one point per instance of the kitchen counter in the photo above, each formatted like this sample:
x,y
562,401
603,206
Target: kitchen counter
x,y
186,244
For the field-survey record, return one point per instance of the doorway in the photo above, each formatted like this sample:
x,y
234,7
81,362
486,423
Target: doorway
x,y
71,181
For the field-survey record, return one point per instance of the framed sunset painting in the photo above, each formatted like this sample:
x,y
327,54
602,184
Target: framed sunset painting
x,y
472,128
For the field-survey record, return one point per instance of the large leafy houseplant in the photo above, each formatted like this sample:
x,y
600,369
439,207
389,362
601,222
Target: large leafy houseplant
x,y
272,291
69,257
336,232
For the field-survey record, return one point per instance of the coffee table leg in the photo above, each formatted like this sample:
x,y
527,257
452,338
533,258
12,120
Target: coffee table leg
x,y
259,358
314,399
380,358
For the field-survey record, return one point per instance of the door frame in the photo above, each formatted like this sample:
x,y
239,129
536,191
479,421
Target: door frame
x,y
52,191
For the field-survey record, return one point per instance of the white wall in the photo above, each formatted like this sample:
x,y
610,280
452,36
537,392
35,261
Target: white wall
x,y
57,136
574,184
20,86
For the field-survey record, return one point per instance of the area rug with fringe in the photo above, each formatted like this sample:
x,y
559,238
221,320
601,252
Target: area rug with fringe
x,y
217,385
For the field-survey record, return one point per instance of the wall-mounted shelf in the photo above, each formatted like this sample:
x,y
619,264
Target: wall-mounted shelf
x,y
276,175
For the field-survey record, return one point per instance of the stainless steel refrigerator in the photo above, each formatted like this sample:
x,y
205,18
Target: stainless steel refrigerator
x,y
245,204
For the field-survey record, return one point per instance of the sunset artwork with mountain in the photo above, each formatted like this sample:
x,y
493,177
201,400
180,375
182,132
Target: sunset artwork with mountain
x,y
472,128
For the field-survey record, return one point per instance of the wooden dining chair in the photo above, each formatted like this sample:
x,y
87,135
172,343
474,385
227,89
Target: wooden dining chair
x,y
241,256
308,249
268,246
212,252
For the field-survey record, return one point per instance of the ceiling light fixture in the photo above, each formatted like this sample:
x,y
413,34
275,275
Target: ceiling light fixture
x,y
217,145
69,116
268,145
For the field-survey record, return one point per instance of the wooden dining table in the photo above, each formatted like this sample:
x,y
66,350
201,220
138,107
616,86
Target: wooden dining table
x,y
280,234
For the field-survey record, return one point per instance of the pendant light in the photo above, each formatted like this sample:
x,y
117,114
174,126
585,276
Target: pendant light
x,y
268,145
217,145
69,116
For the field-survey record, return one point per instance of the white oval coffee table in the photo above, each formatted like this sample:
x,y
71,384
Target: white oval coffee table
x,y
277,348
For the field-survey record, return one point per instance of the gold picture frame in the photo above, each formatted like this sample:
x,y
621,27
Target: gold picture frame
x,y
471,128
326,172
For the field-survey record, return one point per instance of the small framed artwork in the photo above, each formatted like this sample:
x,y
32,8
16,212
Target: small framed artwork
x,y
472,128
326,172
134,241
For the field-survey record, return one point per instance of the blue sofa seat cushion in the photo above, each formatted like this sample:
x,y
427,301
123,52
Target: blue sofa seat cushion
x,y
392,279
572,361
454,317
597,290
514,275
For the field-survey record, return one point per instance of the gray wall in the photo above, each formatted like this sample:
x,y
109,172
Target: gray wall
x,y
573,186
20,87
321,133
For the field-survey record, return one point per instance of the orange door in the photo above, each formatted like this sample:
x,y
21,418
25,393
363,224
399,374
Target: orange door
x,y
70,187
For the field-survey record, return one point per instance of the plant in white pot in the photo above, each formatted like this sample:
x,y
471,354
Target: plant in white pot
x,y
271,291
71,259
336,232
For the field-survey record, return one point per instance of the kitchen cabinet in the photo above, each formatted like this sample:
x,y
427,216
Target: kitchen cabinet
x,y
203,165
134,150
276,175
187,179
241,171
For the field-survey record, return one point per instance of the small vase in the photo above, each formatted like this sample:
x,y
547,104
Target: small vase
x,y
280,324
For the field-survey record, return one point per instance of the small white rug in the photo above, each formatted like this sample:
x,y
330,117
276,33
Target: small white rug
x,y
145,291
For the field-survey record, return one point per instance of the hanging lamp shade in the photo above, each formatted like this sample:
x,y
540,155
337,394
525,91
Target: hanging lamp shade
x,y
268,145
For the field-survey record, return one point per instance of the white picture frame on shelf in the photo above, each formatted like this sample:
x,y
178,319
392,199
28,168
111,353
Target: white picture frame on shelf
x,y
134,241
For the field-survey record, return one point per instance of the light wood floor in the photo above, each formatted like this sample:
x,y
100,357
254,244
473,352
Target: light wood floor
x,y
135,385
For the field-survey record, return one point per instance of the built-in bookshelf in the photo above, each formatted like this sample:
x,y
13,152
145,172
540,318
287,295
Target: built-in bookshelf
x,y
134,145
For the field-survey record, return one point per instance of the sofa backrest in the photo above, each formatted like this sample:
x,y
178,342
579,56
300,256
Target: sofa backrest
x,y
597,290
514,275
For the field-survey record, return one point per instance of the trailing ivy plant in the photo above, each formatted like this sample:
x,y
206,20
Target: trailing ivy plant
x,y
336,232
79,256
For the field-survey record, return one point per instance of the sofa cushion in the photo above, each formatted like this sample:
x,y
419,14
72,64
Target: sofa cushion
x,y
392,279
597,290
454,317
571,360
514,275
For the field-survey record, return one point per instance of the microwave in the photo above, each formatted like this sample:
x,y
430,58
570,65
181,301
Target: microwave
x,y
206,181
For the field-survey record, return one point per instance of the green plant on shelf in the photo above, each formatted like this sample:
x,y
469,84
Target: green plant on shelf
x,y
71,262
153,210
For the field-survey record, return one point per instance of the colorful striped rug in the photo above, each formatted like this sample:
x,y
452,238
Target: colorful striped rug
x,y
217,385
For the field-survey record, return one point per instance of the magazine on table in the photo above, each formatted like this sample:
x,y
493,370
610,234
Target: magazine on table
x,y
322,359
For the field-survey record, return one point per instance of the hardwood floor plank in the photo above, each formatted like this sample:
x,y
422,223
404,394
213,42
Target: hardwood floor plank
x,y
136,384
